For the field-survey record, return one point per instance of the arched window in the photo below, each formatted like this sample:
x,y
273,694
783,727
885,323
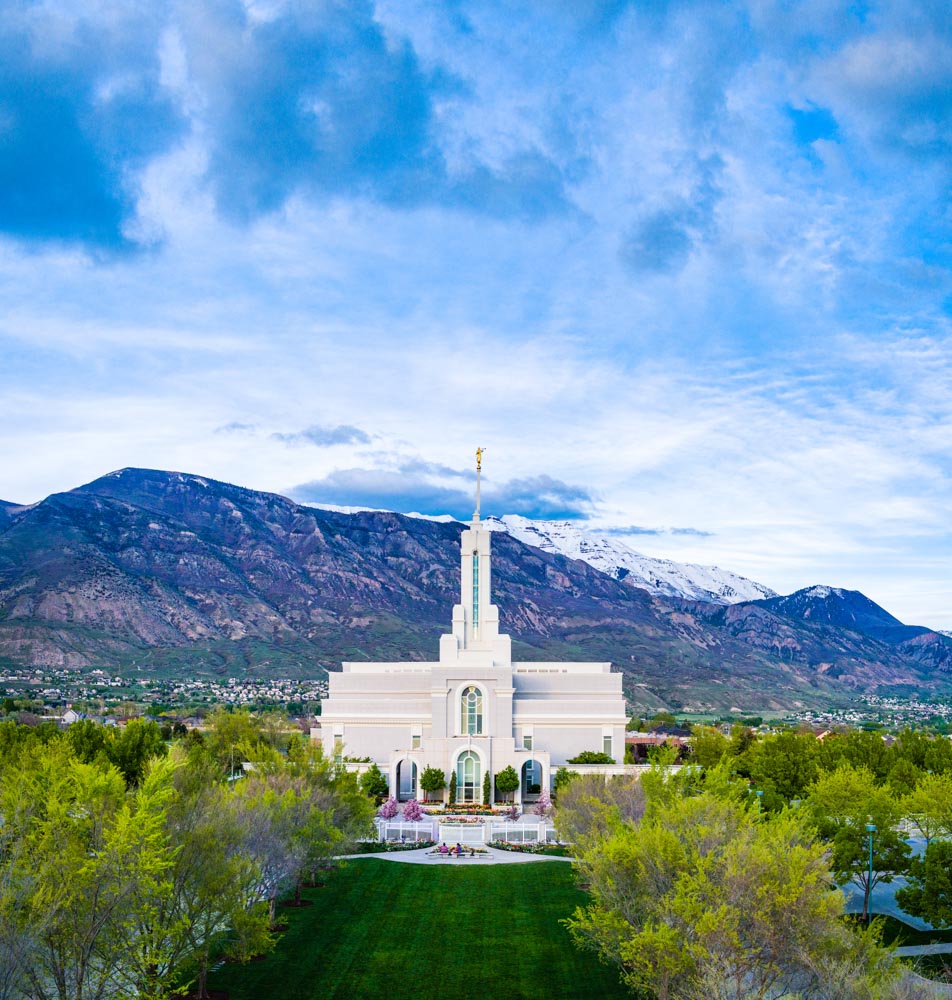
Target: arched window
x,y
471,711
468,777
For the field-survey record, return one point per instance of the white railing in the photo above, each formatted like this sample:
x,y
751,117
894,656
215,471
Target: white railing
x,y
520,833
402,830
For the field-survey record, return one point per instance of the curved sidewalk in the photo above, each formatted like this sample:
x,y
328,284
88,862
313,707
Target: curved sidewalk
x,y
426,856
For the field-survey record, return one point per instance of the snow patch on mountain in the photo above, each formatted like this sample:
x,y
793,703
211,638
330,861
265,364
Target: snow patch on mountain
x,y
658,576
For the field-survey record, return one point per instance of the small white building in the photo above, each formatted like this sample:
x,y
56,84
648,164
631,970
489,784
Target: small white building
x,y
474,711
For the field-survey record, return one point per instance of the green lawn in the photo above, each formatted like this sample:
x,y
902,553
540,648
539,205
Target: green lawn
x,y
401,931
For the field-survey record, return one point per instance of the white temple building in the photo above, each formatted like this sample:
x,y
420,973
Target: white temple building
x,y
474,711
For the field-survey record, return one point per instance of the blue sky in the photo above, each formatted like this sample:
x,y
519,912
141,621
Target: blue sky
x,y
682,268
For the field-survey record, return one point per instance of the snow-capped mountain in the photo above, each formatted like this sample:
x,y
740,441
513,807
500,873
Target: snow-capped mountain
x,y
658,576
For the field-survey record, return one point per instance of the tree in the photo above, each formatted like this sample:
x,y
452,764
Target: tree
x,y
452,797
412,812
929,806
589,806
704,897
373,783
93,854
269,808
543,805
842,803
783,767
432,780
507,780
903,777
389,809
563,777
487,789
233,737
929,892
708,745
214,881
134,747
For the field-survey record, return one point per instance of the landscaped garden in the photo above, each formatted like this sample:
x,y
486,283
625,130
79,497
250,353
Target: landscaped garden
x,y
401,931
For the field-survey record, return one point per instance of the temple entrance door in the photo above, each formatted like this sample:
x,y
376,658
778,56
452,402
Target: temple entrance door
x,y
531,780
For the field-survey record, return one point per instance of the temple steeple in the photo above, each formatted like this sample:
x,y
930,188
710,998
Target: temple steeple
x,y
475,636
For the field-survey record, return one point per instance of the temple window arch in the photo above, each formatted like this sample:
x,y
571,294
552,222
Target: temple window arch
x,y
471,711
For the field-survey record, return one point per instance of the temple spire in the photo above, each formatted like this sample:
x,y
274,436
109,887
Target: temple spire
x,y
479,467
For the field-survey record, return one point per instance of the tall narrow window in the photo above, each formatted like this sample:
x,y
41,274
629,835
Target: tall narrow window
x,y
607,745
471,711
475,594
468,777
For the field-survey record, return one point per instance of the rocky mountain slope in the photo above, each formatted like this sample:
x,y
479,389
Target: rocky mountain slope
x,y
175,573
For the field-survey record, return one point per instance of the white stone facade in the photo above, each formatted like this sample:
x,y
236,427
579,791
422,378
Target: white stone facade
x,y
475,711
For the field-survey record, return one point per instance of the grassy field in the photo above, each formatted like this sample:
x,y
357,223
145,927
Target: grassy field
x,y
380,929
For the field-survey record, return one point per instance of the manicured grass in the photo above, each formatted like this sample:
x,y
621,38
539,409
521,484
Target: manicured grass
x,y
400,931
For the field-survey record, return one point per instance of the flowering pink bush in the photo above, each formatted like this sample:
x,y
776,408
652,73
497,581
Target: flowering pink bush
x,y
512,812
543,805
412,812
389,809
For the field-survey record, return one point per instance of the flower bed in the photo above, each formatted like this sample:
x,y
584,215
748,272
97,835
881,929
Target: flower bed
x,y
553,850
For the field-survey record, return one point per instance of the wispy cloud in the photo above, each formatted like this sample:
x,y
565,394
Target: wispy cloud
x,y
325,437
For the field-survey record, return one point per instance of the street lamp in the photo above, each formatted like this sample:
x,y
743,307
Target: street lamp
x,y
870,830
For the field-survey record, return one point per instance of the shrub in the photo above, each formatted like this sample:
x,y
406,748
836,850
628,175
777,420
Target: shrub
x,y
453,789
389,809
592,757
373,783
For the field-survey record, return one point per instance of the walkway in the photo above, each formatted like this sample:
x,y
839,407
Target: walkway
x,y
491,856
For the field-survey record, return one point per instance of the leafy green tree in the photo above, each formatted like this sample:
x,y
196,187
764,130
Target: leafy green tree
x,y
742,739
859,749
233,737
373,783
507,780
929,806
133,747
704,893
842,803
563,777
90,848
88,740
783,766
929,892
903,776
487,789
212,908
452,795
432,780
708,745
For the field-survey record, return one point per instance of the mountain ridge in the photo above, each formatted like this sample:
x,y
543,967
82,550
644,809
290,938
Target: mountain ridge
x,y
173,572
